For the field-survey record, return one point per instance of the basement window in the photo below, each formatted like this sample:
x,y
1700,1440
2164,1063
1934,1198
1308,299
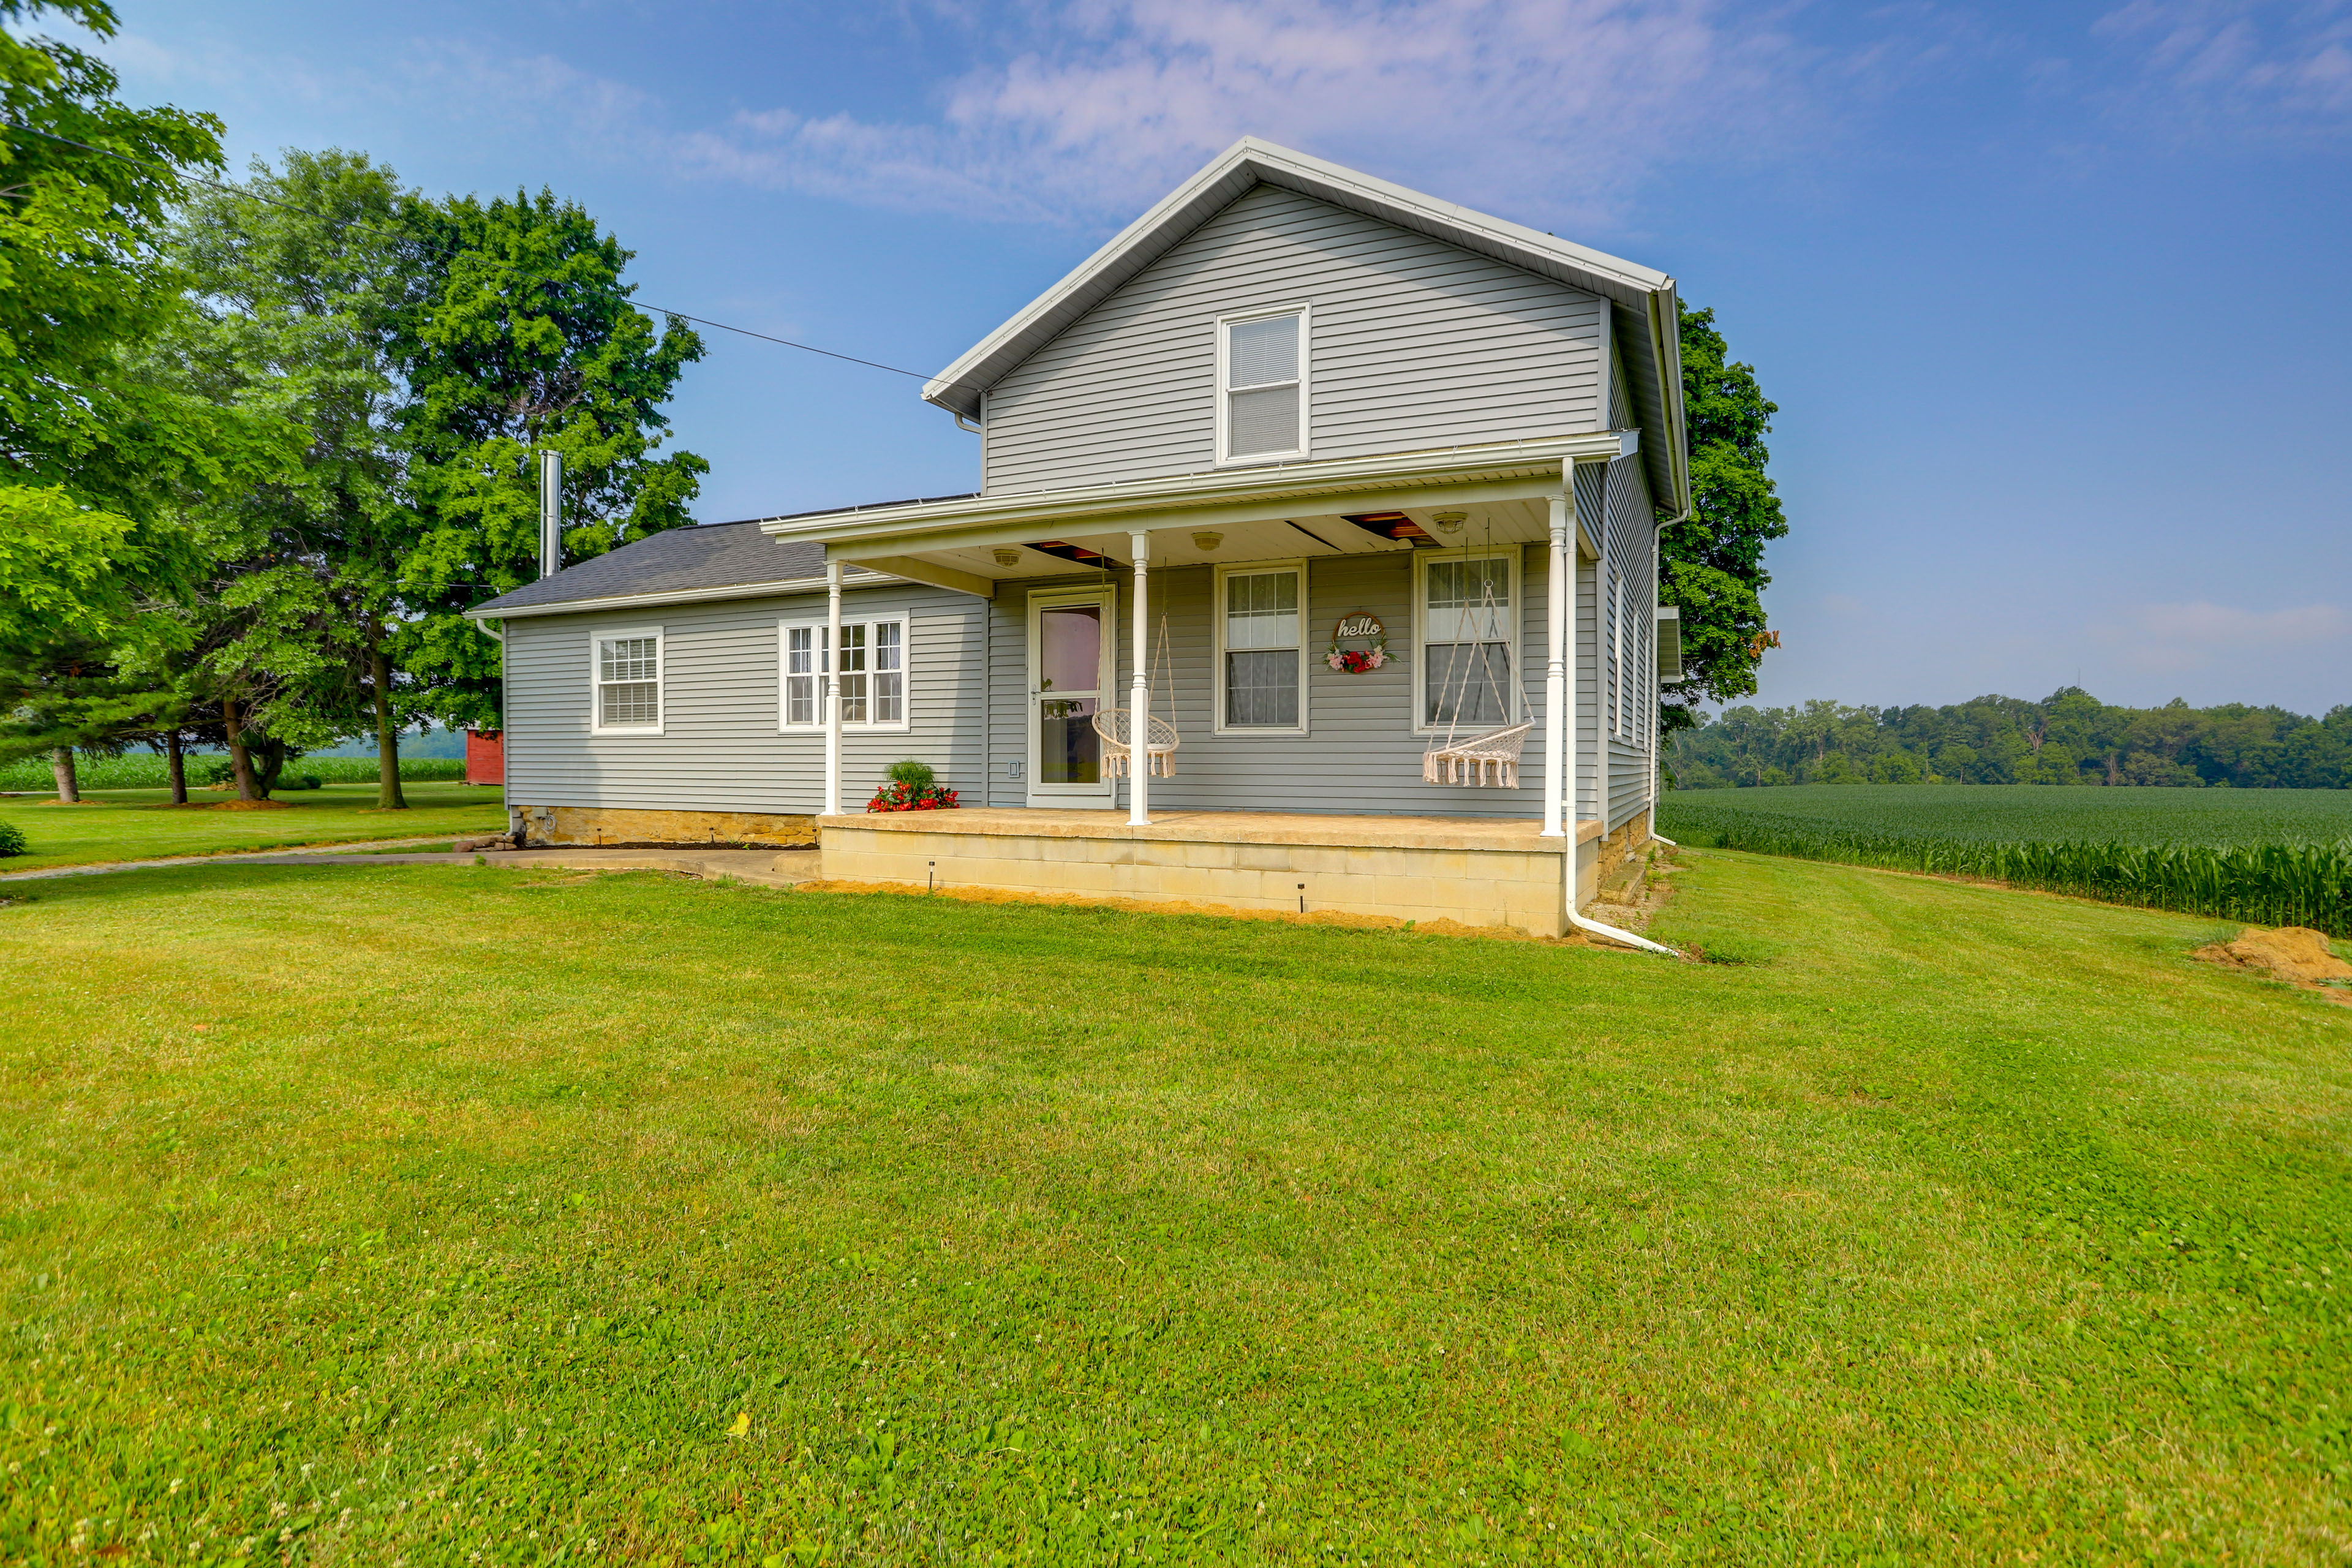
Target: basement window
x,y
624,673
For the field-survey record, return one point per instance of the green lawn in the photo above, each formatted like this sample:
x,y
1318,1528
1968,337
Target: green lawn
x,y
142,824
445,1214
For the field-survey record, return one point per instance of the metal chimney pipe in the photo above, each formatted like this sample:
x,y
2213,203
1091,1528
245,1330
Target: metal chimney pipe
x,y
551,513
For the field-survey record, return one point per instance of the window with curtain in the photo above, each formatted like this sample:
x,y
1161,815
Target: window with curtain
x,y
1466,641
1265,391
873,673
1264,652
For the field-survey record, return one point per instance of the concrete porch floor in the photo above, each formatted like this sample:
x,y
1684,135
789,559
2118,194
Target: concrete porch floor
x,y
1225,827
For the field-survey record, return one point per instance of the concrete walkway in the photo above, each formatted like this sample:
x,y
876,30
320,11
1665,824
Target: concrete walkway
x,y
767,867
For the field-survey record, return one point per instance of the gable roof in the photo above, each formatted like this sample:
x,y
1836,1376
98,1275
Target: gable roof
x,y
713,561
1642,303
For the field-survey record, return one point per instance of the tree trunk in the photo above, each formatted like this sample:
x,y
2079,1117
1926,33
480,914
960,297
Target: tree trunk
x,y
240,761
179,768
387,733
61,763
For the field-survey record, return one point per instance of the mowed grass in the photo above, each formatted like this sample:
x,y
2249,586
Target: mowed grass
x,y
473,1213
143,824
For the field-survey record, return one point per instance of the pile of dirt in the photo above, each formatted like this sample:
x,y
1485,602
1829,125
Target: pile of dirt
x,y
250,805
2295,953
69,803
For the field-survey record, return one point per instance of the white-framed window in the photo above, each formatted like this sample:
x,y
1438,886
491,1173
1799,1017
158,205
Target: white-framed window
x,y
625,681
1467,632
1262,649
873,673
1616,651
1261,386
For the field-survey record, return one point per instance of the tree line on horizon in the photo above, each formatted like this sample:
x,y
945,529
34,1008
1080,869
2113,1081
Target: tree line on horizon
x,y
2068,738
263,442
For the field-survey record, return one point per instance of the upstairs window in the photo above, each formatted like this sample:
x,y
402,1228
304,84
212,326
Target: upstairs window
x,y
1262,653
626,669
1262,386
873,675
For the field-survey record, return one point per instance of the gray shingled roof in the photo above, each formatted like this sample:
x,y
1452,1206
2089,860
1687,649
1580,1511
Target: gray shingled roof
x,y
714,556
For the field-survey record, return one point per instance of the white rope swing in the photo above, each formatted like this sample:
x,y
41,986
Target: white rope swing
x,y
1491,759
1160,740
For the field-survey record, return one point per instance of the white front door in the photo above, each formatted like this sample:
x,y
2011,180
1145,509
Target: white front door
x,y
1070,671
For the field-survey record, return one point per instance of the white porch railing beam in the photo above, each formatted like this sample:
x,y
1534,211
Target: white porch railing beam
x,y
1138,700
830,665
1559,679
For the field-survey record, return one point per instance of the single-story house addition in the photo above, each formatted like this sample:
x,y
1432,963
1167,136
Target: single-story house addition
x,y
1357,493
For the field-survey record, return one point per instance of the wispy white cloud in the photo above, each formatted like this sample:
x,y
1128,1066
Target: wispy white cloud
x,y
1569,103
2198,635
2270,65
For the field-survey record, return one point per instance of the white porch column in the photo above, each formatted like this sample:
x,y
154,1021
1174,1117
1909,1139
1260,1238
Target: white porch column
x,y
830,665
1139,702
1559,679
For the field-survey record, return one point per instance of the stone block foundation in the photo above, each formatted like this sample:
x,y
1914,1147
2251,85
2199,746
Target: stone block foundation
x,y
567,826
1473,871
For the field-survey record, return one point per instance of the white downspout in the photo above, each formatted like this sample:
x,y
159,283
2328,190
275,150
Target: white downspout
x,y
1139,699
1575,918
832,666
1561,592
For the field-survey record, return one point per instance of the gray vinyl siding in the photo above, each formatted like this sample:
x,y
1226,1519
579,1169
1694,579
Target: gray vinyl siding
x,y
1414,343
721,749
1630,544
1360,753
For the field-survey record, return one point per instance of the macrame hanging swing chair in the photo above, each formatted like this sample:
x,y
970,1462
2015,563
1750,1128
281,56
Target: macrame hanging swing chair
x,y
1488,759
1115,725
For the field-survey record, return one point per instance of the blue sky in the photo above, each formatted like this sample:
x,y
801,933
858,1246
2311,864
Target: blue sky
x,y
2053,297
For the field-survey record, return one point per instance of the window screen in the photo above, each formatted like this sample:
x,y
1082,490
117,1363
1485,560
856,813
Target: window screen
x,y
1262,651
1262,386
628,682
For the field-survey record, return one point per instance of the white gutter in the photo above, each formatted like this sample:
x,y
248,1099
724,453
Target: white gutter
x,y
1055,510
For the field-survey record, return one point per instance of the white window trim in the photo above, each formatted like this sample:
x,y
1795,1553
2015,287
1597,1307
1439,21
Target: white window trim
x,y
820,623
1306,651
1305,313
596,639
1422,559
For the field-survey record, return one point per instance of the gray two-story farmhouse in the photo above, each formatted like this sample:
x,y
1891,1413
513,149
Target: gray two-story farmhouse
x,y
1355,493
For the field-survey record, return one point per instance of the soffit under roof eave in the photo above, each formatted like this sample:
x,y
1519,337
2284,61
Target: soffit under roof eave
x,y
1248,162
861,578
1053,511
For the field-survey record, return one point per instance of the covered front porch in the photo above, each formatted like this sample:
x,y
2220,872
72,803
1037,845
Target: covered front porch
x,y
1474,871
1311,638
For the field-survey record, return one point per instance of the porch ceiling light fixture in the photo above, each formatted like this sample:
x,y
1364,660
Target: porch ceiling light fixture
x,y
1392,525
1449,521
1007,557
1205,542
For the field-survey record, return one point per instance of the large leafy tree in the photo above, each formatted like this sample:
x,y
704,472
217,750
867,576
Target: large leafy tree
x,y
524,338
1713,563
97,456
301,274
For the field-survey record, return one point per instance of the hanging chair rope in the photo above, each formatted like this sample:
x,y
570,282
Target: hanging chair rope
x,y
1160,739
1492,758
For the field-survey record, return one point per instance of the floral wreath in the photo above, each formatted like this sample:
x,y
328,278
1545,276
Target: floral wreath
x,y
1356,660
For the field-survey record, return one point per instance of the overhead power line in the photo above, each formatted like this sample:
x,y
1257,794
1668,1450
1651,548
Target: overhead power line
x,y
372,229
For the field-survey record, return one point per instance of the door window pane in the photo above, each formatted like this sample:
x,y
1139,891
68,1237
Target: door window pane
x,y
1069,751
1070,657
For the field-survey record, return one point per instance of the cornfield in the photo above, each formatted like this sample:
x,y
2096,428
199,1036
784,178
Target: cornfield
x,y
2292,883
